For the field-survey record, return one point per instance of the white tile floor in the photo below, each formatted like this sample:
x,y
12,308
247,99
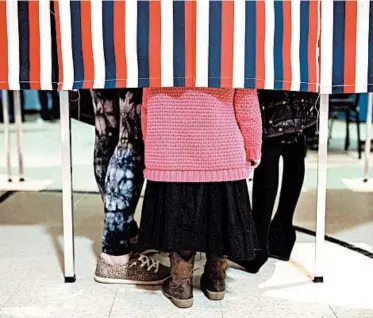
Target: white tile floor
x,y
31,280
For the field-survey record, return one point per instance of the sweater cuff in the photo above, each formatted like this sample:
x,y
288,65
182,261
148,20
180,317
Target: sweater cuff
x,y
253,153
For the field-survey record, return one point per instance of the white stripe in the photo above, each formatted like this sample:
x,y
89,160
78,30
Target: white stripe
x,y
269,43
131,44
97,44
13,44
202,43
317,62
362,46
45,45
66,47
239,44
295,40
167,40
326,67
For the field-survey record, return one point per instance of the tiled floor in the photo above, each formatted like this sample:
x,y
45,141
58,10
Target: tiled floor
x,y
31,281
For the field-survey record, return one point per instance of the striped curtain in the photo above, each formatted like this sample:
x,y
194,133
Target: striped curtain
x,y
347,46
208,43
254,44
27,60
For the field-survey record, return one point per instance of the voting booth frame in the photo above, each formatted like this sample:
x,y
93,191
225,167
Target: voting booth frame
x,y
318,46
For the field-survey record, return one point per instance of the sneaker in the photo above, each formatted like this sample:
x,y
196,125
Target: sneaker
x,y
140,270
213,278
179,287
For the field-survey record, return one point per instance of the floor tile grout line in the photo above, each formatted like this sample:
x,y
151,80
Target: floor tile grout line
x,y
112,305
330,307
221,309
13,293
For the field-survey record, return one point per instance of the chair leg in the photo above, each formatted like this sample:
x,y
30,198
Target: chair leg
x,y
347,140
330,129
359,151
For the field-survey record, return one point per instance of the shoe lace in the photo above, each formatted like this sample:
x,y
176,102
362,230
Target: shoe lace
x,y
147,261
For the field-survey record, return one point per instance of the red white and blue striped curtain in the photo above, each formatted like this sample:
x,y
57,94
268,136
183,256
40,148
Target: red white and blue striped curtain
x,y
26,36
347,46
255,44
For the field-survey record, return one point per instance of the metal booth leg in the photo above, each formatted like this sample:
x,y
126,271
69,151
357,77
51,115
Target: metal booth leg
x,y
67,200
5,100
321,188
368,136
18,122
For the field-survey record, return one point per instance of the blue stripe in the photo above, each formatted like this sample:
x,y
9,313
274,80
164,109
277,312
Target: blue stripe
x,y
179,43
24,45
108,34
214,70
76,31
143,42
303,44
338,46
277,48
250,44
370,50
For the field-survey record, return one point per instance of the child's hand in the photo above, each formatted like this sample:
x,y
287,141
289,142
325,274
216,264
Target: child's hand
x,y
255,163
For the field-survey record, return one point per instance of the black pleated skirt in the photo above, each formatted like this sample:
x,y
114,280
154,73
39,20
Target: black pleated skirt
x,y
210,217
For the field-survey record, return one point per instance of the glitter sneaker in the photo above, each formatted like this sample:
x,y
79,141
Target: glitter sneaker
x,y
140,270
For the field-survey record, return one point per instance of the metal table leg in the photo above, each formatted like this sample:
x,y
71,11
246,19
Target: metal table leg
x,y
368,136
67,200
18,122
5,100
321,188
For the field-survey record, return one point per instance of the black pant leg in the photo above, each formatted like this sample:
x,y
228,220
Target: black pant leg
x,y
293,176
265,188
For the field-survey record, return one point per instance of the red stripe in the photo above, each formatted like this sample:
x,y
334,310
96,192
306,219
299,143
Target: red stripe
x,y
59,45
34,44
313,39
190,43
260,42
227,44
4,49
155,43
286,48
87,51
350,46
120,43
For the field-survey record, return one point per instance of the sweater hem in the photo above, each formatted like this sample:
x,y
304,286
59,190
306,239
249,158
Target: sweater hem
x,y
197,175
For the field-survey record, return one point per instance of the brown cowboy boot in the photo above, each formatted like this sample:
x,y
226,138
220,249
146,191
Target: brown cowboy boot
x,y
179,287
213,278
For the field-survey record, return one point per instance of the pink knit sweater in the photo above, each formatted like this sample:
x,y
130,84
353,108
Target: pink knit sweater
x,y
200,134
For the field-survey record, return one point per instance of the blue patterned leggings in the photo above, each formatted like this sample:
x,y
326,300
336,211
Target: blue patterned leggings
x,y
118,164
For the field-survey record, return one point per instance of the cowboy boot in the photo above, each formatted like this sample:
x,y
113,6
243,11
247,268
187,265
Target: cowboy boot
x,y
213,278
179,287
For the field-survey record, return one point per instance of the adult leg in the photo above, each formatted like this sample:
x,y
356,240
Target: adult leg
x,y
265,188
55,105
107,124
122,187
44,112
282,233
124,180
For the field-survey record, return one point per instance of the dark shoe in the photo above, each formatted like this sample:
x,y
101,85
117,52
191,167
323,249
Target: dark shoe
x,y
179,287
213,278
281,242
254,265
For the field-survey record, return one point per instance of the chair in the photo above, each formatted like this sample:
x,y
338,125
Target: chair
x,y
349,105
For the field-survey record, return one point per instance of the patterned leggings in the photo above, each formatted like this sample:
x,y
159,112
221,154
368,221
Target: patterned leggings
x,y
118,164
